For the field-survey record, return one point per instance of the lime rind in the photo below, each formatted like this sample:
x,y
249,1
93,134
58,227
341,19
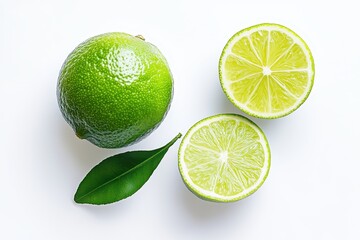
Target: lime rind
x,y
297,39
114,89
210,195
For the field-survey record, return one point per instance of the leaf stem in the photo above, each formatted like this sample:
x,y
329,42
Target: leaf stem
x,y
174,140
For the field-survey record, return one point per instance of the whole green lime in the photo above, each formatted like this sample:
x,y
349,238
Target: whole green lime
x,y
114,89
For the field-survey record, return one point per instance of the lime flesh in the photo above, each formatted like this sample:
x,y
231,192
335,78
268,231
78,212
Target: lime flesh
x,y
267,70
224,158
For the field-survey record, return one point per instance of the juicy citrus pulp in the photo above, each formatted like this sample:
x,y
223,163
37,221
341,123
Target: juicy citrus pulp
x,y
224,158
266,70
114,89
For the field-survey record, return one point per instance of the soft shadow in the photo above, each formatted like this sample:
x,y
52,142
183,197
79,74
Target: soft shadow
x,y
202,210
206,211
267,125
108,211
201,216
86,155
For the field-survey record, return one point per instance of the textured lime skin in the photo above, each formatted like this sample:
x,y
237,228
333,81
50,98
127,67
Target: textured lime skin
x,y
114,89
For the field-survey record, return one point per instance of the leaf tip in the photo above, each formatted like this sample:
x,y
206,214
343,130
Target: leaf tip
x,y
77,199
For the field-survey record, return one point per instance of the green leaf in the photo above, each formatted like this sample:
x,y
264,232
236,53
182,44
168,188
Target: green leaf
x,y
120,176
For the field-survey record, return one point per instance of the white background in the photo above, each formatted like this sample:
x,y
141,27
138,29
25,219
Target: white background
x,y
312,191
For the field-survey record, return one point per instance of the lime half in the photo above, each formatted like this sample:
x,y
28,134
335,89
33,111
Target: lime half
x,y
266,70
224,158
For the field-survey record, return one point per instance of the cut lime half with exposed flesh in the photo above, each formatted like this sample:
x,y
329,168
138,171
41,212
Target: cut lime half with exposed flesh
x,y
266,70
224,158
